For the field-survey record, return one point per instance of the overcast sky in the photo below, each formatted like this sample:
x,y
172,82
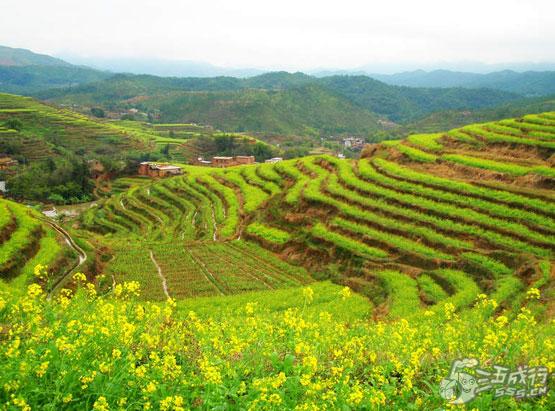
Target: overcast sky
x,y
288,34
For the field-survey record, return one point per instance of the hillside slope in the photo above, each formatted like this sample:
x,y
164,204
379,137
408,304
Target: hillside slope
x,y
27,240
449,236
263,103
479,198
25,72
21,57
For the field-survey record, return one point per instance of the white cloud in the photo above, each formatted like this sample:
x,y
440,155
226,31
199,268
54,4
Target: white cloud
x,y
293,34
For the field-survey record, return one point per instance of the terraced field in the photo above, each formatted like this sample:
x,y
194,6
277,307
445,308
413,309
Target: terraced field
x,y
416,223
447,238
25,242
45,127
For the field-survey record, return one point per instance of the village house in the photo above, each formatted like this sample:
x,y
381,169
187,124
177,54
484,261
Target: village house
x,y
354,143
222,161
151,169
274,160
244,160
7,162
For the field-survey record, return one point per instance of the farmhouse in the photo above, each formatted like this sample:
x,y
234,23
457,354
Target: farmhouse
x,y
274,160
354,143
150,169
7,162
222,162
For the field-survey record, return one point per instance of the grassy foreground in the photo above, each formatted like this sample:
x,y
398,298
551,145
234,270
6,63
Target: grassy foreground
x,y
308,349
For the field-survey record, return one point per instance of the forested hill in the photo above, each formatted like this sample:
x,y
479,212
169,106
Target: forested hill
x,y
276,102
529,83
25,72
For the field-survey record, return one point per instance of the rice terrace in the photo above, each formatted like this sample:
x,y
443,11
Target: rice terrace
x,y
177,235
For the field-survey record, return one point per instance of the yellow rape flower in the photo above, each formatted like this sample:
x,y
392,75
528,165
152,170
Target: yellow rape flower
x,y
101,404
42,369
533,293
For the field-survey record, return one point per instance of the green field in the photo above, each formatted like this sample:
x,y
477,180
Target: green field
x,y
315,282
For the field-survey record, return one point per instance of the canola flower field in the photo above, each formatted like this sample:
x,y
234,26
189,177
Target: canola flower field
x,y
314,283
310,348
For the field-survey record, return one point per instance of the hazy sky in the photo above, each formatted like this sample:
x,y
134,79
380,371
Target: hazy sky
x,y
290,34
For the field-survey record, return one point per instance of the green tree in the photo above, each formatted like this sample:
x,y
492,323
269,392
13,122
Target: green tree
x,y
98,112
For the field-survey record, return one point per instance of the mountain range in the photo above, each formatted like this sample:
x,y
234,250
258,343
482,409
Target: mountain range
x,y
275,102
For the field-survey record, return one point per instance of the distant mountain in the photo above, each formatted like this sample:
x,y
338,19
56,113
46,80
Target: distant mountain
x,y
11,57
277,102
160,67
33,79
529,83
25,72
403,104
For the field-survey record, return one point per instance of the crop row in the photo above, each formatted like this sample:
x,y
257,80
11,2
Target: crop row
x,y
496,137
430,290
461,187
501,167
231,221
411,152
439,207
294,192
348,177
253,196
345,243
12,251
402,291
270,234
253,178
495,209
426,141
399,242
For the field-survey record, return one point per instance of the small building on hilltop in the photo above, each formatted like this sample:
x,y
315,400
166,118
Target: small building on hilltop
x,y
151,169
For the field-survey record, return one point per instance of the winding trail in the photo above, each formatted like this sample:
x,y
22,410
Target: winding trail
x,y
160,274
72,244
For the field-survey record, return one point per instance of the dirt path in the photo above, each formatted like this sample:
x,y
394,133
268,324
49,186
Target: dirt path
x,y
214,237
72,244
164,283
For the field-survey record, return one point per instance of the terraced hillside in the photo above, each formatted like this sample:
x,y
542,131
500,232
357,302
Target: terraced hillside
x,y
26,240
417,221
455,258
44,129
